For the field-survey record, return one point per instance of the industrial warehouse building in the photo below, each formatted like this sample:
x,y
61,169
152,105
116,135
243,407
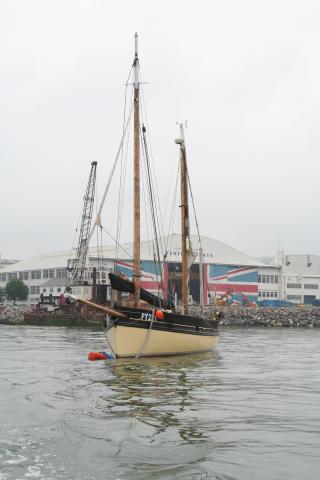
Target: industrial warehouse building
x,y
228,272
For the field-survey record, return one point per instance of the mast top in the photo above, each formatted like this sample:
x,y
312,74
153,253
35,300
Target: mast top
x,y
136,62
180,141
136,45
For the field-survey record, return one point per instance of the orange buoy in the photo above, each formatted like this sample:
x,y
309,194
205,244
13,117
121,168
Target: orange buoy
x,y
159,315
97,356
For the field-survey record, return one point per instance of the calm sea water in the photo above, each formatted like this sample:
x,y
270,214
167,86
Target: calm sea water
x,y
250,410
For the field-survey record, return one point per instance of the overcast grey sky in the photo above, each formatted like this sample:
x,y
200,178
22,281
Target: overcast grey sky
x,y
245,74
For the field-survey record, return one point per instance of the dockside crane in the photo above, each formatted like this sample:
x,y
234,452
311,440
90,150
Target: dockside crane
x,y
77,266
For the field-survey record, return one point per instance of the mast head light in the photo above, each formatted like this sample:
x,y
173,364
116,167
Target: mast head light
x,y
179,141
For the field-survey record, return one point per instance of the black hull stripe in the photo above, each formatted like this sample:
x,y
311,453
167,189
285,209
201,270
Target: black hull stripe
x,y
171,318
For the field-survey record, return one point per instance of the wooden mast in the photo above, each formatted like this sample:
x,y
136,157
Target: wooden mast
x,y
136,174
185,234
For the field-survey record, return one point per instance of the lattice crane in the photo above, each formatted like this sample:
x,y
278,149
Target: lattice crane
x,y
78,265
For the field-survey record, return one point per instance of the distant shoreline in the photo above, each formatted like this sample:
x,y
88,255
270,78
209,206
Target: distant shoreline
x,y
266,317
231,317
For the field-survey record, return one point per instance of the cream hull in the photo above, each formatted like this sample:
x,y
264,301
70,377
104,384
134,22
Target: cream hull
x,y
131,342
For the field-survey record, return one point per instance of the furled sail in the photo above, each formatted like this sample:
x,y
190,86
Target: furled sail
x,y
123,285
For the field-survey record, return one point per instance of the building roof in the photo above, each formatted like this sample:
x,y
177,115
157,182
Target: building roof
x,y
301,264
47,261
5,262
214,251
55,282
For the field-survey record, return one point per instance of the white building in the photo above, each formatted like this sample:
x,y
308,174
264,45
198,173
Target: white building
x,y
300,280
269,283
43,274
35,271
294,278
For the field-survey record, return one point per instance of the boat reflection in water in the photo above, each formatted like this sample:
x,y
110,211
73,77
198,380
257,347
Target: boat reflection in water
x,y
159,392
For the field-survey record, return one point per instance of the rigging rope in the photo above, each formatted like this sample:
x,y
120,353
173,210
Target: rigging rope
x,y
98,219
151,195
97,222
157,197
117,244
143,346
152,192
122,170
122,183
150,204
194,210
173,208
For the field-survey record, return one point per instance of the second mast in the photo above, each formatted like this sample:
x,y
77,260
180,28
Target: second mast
x,y
136,179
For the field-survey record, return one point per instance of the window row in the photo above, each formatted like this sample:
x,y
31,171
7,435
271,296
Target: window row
x,y
294,297
268,294
268,278
310,286
51,290
7,277
33,290
99,275
34,274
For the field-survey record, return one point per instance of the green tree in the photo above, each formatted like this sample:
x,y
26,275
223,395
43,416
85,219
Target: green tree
x,y
17,290
2,292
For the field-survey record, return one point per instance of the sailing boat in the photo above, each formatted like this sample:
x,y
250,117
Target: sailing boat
x,y
134,331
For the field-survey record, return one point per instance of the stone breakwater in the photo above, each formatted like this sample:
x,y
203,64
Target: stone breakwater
x,y
239,316
232,316
13,314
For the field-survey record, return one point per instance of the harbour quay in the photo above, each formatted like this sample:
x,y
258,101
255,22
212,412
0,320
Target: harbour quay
x,y
13,314
244,317
233,316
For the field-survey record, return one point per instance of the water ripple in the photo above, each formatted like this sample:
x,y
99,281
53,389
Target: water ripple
x,y
247,411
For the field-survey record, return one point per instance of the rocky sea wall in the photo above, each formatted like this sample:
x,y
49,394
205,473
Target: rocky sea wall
x,y
240,316
229,316
13,314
